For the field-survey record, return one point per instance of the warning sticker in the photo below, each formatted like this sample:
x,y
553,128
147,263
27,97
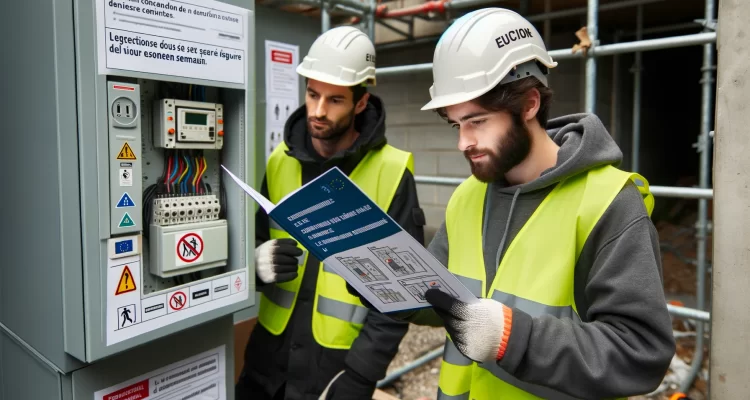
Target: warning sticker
x,y
177,301
126,221
126,153
125,201
189,247
202,376
126,282
131,313
126,176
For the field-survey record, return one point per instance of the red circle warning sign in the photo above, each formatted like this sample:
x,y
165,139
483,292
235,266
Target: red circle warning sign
x,y
189,247
177,301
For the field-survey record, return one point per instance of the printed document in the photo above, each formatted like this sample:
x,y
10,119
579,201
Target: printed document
x,y
339,224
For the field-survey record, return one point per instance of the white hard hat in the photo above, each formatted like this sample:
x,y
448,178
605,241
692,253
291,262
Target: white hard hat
x,y
482,49
342,56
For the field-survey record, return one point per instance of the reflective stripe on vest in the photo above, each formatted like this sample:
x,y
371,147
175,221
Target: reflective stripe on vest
x,y
338,316
535,282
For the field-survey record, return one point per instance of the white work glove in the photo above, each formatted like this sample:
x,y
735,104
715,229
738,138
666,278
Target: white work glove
x,y
479,330
276,260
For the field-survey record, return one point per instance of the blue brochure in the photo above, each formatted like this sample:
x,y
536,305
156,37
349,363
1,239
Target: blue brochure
x,y
339,224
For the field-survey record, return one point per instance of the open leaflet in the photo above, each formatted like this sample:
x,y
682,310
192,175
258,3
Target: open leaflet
x,y
339,224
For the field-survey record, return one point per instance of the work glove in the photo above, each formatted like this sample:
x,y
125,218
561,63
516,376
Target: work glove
x,y
348,385
479,330
276,260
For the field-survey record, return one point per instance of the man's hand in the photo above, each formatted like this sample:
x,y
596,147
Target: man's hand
x,y
276,260
479,330
348,385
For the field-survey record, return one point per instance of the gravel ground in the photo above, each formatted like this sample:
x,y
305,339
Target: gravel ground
x,y
420,383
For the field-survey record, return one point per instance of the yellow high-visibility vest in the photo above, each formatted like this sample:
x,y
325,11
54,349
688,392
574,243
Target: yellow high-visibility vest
x,y
533,281
338,316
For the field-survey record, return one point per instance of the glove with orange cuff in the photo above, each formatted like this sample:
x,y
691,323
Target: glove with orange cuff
x,y
479,330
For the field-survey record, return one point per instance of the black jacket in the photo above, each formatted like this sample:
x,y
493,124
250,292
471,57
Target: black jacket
x,y
294,357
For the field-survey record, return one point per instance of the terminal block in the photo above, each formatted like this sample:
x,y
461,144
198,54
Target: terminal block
x,y
169,211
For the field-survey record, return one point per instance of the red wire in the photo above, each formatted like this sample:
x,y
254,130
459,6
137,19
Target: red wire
x,y
169,172
201,165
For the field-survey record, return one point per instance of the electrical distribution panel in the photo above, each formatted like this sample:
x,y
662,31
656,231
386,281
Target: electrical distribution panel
x,y
171,236
131,248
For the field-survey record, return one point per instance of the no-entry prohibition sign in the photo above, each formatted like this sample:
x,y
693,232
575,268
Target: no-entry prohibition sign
x,y
177,301
189,248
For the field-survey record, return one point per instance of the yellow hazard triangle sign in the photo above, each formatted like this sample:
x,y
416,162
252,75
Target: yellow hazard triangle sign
x,y
126,153
126,284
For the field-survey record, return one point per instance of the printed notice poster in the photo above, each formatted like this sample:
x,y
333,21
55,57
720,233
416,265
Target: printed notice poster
x,y
282,90
186,38
201,377
338,223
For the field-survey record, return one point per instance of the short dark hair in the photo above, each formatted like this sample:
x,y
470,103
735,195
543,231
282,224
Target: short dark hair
x,y
358,91
511,97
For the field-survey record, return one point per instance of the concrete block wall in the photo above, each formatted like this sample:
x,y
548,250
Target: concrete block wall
x,y
434,143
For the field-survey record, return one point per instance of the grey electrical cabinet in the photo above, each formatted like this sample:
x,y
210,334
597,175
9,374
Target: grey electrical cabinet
x,y
126,247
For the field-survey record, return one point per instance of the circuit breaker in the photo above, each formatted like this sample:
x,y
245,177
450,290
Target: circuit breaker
x,y
127,235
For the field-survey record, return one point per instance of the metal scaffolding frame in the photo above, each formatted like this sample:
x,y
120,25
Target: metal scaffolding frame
x,y
703,193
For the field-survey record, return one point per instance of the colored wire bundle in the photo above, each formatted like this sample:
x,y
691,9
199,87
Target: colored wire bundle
x,y
185,171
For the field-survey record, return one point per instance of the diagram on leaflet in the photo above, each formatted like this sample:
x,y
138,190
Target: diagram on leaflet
x,y
386,294
418,286
402,263
364,268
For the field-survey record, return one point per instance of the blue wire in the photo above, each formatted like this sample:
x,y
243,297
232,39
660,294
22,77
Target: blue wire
x,y
187,175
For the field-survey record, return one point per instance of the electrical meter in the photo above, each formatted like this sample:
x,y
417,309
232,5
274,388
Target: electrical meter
x,y
184,124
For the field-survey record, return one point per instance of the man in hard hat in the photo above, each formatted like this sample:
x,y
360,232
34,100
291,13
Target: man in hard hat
x,y
556,242
309,327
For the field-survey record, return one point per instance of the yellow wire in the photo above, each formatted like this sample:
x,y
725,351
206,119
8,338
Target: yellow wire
x,y
197,172
205,165
183,174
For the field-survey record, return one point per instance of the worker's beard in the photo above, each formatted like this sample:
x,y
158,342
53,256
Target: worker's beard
x,y
334,130
509,150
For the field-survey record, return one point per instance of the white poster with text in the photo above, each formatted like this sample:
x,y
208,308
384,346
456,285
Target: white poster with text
x,y
201,377
282,90
191,39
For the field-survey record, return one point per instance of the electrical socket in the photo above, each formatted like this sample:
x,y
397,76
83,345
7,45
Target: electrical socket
x,y
124,112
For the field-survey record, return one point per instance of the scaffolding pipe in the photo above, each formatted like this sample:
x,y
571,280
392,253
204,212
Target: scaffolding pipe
x,y
705,171
614,128
325,18
689,313
592,28
658,191
371,21
606,50
348,10
365,8
656,44
410,366
637,67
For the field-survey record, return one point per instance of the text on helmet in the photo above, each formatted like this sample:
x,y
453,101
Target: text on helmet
x,y
512,36
370,58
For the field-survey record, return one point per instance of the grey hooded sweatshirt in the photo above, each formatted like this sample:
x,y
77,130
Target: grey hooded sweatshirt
x,y
624,344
